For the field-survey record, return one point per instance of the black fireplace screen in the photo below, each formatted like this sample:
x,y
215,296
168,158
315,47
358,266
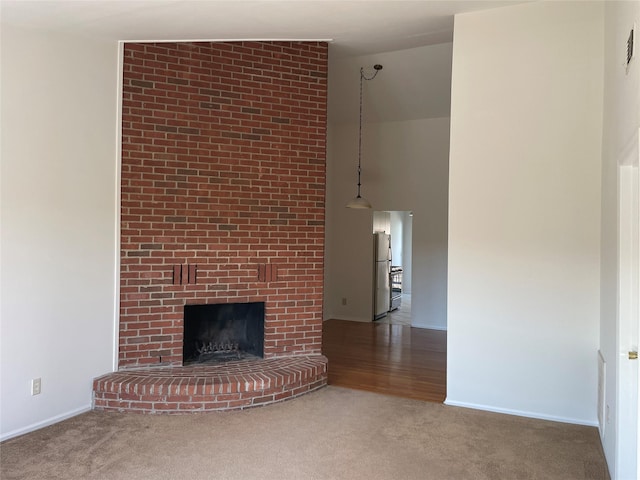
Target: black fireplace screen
x,y
222,332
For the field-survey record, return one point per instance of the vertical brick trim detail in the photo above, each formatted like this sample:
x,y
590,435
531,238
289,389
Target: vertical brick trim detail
x,y
223,167
177,274
191,274
272,273
268,273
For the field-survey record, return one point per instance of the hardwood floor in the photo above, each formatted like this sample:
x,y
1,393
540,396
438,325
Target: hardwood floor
x,y
390,359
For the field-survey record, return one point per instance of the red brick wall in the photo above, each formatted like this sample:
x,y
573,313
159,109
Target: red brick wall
x,y
223,168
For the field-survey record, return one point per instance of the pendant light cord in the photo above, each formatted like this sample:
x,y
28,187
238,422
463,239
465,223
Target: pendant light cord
x,y
360,133
377,68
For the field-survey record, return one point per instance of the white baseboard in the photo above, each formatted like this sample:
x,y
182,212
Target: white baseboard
x,y
44,423
350,319
521,413
429,326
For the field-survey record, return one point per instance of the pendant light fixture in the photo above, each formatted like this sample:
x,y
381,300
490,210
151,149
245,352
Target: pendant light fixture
x,y
359,201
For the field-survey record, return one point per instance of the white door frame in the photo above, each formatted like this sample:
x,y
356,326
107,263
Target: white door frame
x,y
628,384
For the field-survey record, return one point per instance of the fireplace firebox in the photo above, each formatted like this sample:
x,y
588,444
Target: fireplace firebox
x,y
215,333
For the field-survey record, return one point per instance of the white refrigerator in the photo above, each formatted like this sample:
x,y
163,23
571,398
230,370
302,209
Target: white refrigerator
x,y
381,270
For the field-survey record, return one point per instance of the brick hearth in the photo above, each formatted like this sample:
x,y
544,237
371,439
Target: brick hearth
x,y
222,201
201,388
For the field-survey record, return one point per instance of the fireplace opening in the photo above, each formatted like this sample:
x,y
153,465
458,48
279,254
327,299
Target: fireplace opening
x,y
221,332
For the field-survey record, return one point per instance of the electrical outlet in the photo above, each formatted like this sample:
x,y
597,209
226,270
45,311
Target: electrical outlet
x,y
344,300
36,386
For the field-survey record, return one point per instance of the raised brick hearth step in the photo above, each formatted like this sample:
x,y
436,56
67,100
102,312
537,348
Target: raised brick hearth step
x,y
203,388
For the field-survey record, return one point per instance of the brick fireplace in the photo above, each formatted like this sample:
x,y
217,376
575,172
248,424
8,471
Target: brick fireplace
x,y
223,185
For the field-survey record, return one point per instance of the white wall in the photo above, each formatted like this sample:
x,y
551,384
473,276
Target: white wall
x,y
59,102
524,210
407,252
621,123
401,238
397,237
405,166
414,83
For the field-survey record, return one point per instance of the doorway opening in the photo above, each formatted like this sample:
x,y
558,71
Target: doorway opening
x,y
393,232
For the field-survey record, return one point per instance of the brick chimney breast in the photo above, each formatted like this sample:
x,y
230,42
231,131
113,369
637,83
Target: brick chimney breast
x,y
223,189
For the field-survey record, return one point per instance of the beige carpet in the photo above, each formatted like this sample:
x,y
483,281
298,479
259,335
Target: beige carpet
x,y
333,433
